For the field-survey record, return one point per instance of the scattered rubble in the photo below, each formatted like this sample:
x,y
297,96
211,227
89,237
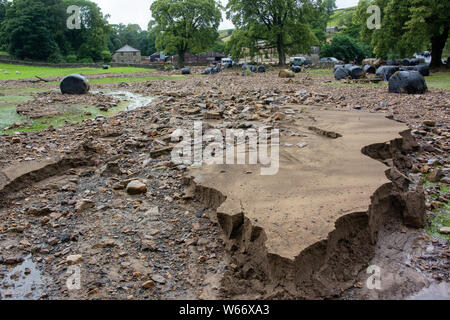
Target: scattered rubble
x,y
67,194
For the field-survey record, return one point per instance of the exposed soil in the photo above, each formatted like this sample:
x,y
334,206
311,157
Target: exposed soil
x,y
63,195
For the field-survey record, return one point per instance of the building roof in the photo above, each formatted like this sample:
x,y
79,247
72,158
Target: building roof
x,y
127,48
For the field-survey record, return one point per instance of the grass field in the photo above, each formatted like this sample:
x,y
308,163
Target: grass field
x,y
131,79
27,72
439,80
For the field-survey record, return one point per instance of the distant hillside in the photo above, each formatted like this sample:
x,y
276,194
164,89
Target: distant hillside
x,y
225,35
341,17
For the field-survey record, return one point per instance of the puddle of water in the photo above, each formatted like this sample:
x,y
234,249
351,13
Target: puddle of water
x,y
8,116
130,101
435,291
24,282
136,101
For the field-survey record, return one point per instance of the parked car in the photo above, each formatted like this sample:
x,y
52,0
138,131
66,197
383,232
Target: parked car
x,y
329,59
297,61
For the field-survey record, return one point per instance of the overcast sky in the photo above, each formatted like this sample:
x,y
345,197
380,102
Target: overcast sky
x,y
138,11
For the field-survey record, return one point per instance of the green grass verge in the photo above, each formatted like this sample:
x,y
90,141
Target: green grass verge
x,y
320,72
439,80
75,113
441,216
10,97
27,72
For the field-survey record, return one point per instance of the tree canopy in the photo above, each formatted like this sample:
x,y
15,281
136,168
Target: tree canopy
x,y
346,48
407,26
183,26
37,29
280,24
133,35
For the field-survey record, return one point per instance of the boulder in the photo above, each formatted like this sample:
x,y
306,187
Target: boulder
x,y
423,69
185,71
385,72
368,68
136,187
341,73
411,82
74,84
261,69
355,72
208,71
296,69
253,68
105,67
285,73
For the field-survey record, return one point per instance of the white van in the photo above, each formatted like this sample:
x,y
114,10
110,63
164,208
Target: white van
x,y
226,61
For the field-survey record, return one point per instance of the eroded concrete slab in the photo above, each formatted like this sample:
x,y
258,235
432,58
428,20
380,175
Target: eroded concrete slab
x,y
315,186
312,227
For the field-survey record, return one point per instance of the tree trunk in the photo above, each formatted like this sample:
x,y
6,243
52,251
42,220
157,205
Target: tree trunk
x,y
181,59
280,50
437,46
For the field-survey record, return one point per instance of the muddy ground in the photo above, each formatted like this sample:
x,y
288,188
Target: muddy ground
x,y
64,203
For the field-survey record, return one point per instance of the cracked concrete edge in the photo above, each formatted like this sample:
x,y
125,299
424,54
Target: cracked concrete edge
x,y
19,176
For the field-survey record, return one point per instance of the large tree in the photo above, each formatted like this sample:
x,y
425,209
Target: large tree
x,y
89,42
280,24
407,26
37,29
29,28
3,4
185,25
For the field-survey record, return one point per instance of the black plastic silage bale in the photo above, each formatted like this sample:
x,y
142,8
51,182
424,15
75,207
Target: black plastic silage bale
x,y
392,62
411,82
369,69
74,84
385,72
341,73
423,69
296,69
355,72
336,66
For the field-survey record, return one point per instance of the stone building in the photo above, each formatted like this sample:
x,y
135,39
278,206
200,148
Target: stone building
x,y
127,54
